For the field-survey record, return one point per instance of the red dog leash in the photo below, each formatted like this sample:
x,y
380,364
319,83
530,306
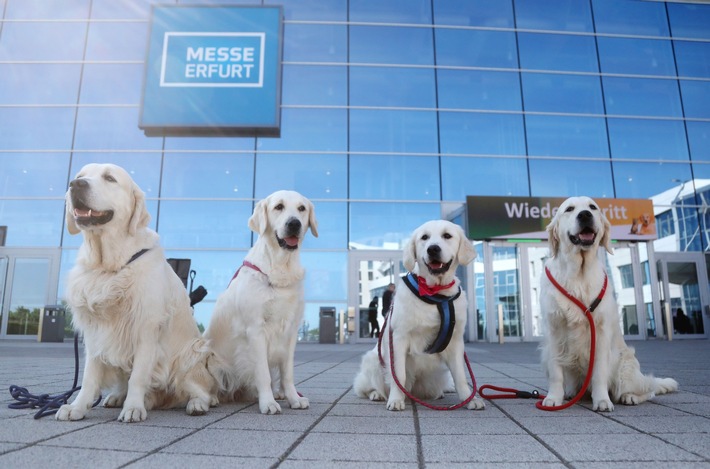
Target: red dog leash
x,y
514,393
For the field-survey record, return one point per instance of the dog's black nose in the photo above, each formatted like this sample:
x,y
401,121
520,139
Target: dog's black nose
x,y
585,215
293,225
78,183
433,251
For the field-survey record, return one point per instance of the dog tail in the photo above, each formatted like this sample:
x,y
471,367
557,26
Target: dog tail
x,y
663,385
369,379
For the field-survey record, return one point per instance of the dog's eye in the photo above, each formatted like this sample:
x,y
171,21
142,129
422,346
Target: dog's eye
x,y
569,209
425,237
302,208
446,236
592,206
279,207
109,178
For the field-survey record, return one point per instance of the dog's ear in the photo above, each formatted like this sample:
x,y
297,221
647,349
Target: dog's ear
x,y
553,236
259,220
312,222
410,253
71,223
466,252
606,235
140,216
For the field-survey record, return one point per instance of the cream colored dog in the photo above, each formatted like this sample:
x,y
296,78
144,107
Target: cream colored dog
x,y
255,324
576,232
141,340
433,253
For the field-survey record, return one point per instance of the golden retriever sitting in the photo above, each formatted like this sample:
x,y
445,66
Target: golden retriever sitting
x,y
425,359
255,323
142,344
576,232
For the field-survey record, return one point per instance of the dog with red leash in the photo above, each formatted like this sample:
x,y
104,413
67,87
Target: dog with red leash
x,y
421,346
575,276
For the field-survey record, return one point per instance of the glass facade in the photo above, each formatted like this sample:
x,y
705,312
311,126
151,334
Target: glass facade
x,y
393,112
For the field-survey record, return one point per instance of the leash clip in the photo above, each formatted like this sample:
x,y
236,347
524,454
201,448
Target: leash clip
x,y
527,395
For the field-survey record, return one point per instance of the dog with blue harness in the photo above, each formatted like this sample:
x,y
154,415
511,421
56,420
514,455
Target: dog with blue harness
x,y
421,350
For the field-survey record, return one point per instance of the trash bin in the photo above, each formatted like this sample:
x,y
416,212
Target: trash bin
x,y
51,324
326,331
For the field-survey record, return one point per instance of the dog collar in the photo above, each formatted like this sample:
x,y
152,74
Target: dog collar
x,y
249,265
137,255
445,306
427,290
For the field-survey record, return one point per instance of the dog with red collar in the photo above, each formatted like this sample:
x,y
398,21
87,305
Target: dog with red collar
x,y
422,346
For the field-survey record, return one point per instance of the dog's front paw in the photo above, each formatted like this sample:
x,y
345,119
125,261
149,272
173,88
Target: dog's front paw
x,y
114,400
395,404
197,406
300,403
279,395
375,396
69,412
214,401
133,414
602,405
476,404
552,401
269,407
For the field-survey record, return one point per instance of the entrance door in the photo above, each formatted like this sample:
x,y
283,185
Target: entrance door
x,y
369,274
28,282
680,277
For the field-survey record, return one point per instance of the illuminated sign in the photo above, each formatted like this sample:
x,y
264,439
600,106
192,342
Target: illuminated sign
x,y
213,70
528,217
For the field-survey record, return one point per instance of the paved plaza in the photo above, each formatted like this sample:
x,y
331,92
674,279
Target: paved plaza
x,y
341,430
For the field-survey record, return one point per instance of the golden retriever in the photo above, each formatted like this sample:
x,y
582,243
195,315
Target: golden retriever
x,y
141,340
432,254
576,232
254,327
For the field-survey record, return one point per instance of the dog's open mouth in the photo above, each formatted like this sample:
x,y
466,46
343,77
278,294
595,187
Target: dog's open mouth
x,y
438,268
86,216
289,242
585,237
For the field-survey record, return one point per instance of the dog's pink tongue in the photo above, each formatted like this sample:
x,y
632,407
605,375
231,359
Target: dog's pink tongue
x,y
586,236
291,241
436,265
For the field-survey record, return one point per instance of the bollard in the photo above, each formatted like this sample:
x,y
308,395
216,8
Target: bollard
x,y
500,324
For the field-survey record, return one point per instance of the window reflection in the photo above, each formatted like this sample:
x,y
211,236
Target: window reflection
x,y
67,9
42,41
696,98
566,136
688,20
313,10
208,175
483,176
188,224
699,140
117,41
624,17
395,87
473,89
35,223
326,275
557,52
481,133
314,176
315,43
33,175
394,177
547,92
111,128
471,48
644,138
392,11
492,13
393,131
36,128
636,56
644,180
332,226
315,85
641,97
556,15
565,178
124,81
309,129
387,225
62,88
692,58
389,45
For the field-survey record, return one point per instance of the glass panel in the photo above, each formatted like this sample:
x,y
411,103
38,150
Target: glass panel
x,y
536,266
36,128
111,9
243,144
479,276
696,98
491,13
309,129
43,41
648,139
33,174
332,226
481,134
557,52
396,87
373,277
581,136
393,131
392,11
41,9
646,291
313,10
28,295
620,271
636,56
473,89
394,177
315,43
565,178
639,18
641,97
189,224
506,289
645,180
692,58
315,85
688,20
686,306
387,225
388,45
117,41
483,176
123,80
545,92
559,15
471,48
17,79
111,128
314,176
32,223
208,175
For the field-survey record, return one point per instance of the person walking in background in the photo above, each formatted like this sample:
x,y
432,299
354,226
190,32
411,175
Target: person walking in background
x,y
372,317
387,299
